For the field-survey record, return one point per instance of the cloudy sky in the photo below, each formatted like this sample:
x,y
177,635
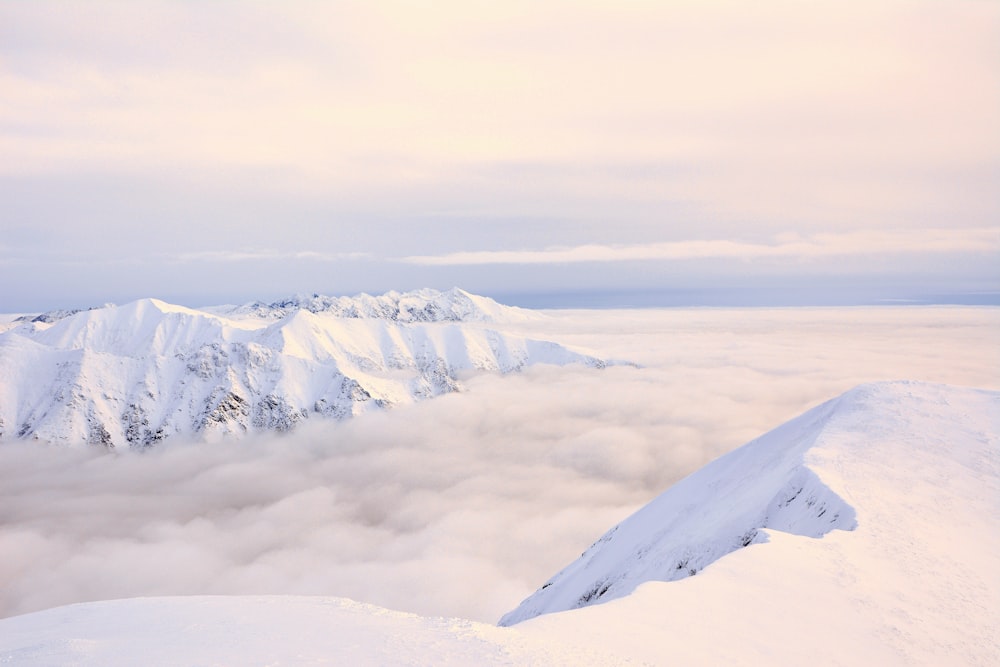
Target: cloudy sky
x,y
716,151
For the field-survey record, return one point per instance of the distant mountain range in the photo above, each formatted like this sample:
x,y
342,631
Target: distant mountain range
x,y
136,374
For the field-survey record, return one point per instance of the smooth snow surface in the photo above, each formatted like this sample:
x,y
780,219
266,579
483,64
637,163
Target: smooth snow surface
x,y
276,630
917,580
137,374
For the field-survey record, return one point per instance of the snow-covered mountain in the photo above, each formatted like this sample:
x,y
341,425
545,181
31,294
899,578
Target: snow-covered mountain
x,y
136,374
804,478
426,305
871,530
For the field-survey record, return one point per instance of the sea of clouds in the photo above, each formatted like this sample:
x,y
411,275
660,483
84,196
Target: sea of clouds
x,y
463,505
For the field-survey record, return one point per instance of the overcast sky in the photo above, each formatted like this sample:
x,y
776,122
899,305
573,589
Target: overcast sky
x,y
220,151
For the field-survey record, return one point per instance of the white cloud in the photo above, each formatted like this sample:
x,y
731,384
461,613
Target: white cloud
x,y
878,242
265,255
464,504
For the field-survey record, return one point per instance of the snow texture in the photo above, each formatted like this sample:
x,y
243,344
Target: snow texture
x,y
137,374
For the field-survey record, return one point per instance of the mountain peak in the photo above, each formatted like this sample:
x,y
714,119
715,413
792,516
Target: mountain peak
x,y
422,305
803,478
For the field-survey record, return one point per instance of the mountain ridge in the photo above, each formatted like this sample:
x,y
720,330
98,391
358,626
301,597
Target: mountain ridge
x,y
422,305
139,373
780,481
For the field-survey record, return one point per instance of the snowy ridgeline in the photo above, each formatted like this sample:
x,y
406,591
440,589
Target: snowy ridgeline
x,y
136,374
871,538
777,483
426,305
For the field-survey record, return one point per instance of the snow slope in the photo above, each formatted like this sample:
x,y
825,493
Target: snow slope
x,y
917,581
725,506
136,374
268,630
908,574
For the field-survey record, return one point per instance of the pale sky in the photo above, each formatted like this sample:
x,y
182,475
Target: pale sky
x,y
811,152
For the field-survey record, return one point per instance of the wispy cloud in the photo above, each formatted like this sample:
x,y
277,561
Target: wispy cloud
x,y
784,246
266,255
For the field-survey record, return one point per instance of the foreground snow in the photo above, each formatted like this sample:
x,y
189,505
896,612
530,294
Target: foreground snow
x,y
914,582
268,630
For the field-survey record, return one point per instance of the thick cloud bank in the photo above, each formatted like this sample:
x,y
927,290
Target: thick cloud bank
x,y
461,505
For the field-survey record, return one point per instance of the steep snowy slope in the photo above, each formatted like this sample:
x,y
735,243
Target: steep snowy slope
x,y
139,373
881,443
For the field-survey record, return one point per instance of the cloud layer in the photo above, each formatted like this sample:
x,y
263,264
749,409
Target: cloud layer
x,y
465,504
885,242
